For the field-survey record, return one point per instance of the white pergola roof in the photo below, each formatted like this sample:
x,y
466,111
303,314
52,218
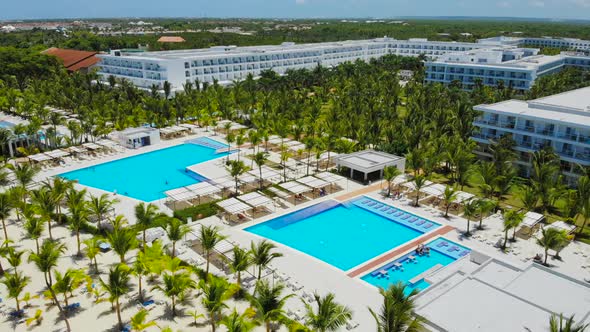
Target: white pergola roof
x,y
57,153
255,199
410,185
91,146
331,153
233,206
435,190
329,177
224,182
464,197
184,195
295,187
224,247
203,188
248,178
188,125
277,140
297,147
531,219
562,226
293,143
107,143
278,192
368,161
313,182
39,157
77,149
268,174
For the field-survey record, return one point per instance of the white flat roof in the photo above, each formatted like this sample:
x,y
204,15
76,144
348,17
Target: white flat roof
x,y
367,160
576,99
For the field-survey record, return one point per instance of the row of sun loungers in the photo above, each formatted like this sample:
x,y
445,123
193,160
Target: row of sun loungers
x,y
397,213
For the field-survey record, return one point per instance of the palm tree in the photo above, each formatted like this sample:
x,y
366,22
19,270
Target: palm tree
x,y
268,303
395,314
122,240
92,250
330,315
260,159
5,209
262,255
78,219
24,173
419,183
236,322
146,216
34,228
117,285
210,237
567,325
285,155
68,282
469,212
44,204
175,285
59,187
236,169
14,257
138,321
45,261
512,219
552,239
216,291
176,230
448,197
15,284
390,173
484,206
242,260
100,206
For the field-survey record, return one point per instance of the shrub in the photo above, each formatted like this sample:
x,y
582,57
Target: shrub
x,y
197,212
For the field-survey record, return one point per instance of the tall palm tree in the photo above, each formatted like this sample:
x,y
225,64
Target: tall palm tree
x,y
100,206
44,204
236,322
268,303
15,284
285,155
330,315
260,159
92,250
419,182
122,240
551,239
484,207
117,285
59,187
558,324
175,285
216,291
78,219
263,255
146,215
236,168
34,228
395,314
240,262
210,237
24,173
469,212
68,282
176,230
45,261
14,257
389,174
448,197
5,209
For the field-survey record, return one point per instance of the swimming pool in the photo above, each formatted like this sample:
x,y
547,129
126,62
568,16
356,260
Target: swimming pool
x,y
343,235
409,267
6,124
147,176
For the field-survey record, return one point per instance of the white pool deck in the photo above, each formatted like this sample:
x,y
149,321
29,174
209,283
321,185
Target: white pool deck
x,y
315,275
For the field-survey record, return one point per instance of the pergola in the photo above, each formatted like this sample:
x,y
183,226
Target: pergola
x,y
39,157
329,177
76,149
268,174
435,190
57,154
255,199
91,146
295,187
369,161
279,192
233,206
464,197
313,182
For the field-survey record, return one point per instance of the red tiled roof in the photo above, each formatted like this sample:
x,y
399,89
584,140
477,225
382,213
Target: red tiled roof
x,y
73,59
170,39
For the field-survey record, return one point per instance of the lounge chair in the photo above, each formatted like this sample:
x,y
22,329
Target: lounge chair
x,y
385,208
351,325
404,217
412,219
464,253
378,206
392,211
442,244
453,248
399,213
421,222
365,201
371,203
427,226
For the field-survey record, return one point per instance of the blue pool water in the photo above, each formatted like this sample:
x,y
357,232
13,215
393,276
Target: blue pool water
x,y
442,251
343,235
147,176
6,124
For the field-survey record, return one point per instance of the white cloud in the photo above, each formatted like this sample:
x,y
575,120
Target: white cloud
x,y
504,4
537,3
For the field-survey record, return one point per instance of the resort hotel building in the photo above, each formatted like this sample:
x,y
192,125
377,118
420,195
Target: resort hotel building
x,y
561,121
489,59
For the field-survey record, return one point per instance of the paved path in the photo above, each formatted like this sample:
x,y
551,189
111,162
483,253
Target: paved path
x,y
408,246
362,191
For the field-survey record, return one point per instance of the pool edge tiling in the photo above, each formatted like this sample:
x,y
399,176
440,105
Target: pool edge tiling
x,y
325,230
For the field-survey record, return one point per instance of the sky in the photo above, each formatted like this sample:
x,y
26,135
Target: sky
x,y
38,9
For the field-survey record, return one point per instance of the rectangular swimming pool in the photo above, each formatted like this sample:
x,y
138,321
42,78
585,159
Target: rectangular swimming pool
x,y
147,176
410,266
344,235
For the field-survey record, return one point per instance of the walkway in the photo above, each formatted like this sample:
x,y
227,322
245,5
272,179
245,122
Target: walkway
x,y
362,191
407,247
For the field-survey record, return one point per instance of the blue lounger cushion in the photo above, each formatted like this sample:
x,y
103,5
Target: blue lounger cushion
x,y
420,222
427,226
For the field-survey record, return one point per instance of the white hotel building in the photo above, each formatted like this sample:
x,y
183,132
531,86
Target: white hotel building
x,y
228,63
561,121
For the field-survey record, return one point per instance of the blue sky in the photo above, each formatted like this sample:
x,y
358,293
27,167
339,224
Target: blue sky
x,y
32,9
